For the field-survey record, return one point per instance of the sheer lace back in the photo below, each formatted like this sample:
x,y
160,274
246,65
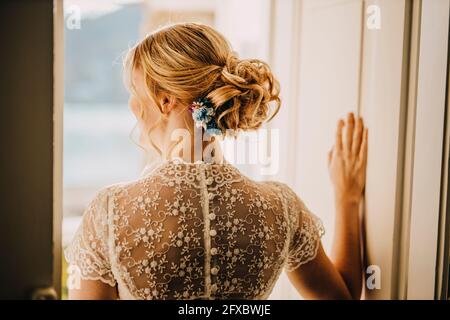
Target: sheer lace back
x,y
194,231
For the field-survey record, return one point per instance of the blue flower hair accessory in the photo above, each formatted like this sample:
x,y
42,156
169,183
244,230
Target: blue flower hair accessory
x,y
203,114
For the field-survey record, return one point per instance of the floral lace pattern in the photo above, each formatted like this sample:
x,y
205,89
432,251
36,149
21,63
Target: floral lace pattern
x,y
194,231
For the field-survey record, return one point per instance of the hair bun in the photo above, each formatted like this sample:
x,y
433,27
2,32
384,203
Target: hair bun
x,y
242,94
190,61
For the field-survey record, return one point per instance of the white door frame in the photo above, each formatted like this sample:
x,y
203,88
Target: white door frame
x,y
58,136
429,91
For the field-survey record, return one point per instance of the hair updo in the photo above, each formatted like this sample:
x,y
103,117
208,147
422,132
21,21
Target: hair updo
x,y
191,60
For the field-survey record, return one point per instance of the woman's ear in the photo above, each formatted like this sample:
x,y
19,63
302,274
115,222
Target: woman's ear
x,y
168,103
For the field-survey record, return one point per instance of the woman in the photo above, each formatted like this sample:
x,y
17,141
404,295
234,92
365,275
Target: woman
x,y
197,228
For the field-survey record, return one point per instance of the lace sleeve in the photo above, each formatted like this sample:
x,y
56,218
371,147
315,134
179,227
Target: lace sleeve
x,y
307,230
88,251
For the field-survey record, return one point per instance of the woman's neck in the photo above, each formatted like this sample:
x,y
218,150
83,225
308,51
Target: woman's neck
x,y
181,139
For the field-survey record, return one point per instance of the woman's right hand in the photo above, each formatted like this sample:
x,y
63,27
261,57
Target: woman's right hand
x,y
347,160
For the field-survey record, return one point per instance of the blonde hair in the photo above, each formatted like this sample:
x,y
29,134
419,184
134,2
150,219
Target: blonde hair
x,y
190,60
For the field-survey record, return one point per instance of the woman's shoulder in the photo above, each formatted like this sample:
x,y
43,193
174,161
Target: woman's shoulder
x,y
151,172
293,202
282,188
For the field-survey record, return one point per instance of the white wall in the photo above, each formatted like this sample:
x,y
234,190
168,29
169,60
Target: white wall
x,y
327,90
318,67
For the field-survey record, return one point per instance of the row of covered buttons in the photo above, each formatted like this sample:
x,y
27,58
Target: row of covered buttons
x,y
213,251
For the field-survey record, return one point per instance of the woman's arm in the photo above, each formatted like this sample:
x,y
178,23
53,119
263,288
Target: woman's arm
x,y
347,166
93,290
346,248
319,279
340,277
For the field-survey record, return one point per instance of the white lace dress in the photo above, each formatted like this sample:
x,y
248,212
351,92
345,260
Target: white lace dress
x,y
194,231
